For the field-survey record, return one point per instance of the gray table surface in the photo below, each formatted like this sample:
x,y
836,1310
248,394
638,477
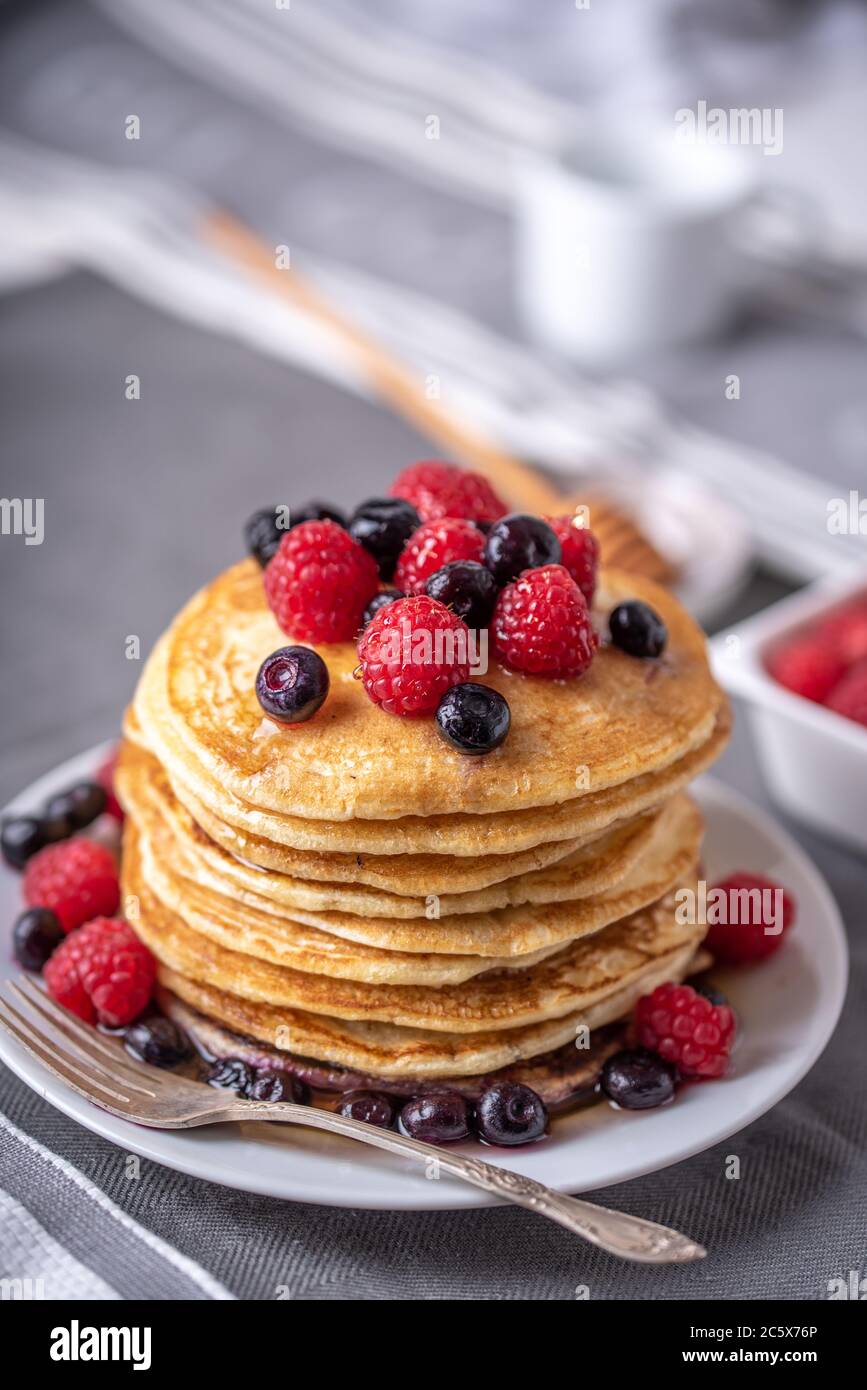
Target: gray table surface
x,y
144,501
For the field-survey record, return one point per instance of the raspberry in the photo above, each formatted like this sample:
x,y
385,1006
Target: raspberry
x,y
102,973
849,698
740,934
580,552
685,1028
319,582
441,489
433,545
541,624
807,665
77,879
105,778
845,631
411,653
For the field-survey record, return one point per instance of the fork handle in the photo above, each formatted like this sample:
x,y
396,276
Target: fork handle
x,y
630,1237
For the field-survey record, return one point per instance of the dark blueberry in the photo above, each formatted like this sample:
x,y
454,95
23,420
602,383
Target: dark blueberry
x,y
292,684
58,818
509,1113
483,526
372,1107
473,718
315,511
467,588
88,802
263,532
157,1040
635,628
709,991
35,936
636,1079
439,1118
230,1074
380,600
19,839
277,1085
519,542
72,810
383,526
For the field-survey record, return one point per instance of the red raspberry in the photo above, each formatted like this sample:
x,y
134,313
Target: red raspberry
x,y
807,665
845,631
411,652
441,489
740,934
686,1029
102,973
319,582
849,698
541,624
580,552
433,545
77,879
105,778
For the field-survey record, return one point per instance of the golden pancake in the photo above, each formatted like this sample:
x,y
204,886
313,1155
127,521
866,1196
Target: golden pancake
x,y
384,1050
401,874
295,945
458,834
593,869
564,1076
369,948
574,739
583,973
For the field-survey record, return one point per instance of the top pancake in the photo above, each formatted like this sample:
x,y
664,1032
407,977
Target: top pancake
x,y
624,718
420,844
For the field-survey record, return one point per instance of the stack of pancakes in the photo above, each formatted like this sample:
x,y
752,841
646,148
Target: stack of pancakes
x,y
354,896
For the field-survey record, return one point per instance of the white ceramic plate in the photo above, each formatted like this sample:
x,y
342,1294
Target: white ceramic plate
x,y
788,1009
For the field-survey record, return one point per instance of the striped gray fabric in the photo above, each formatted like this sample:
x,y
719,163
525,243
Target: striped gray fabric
x,y
155,500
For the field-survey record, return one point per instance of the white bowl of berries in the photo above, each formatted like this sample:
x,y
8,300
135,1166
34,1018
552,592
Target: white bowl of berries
x,y
802,667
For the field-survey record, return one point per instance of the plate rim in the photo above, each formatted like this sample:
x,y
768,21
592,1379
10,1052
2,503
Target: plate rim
x,y
199,1162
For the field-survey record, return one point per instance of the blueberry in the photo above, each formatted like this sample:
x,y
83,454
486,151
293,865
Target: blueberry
x,y
19,839
509,1113
372,1107
263,533
473,718
380,600
635,628
88,802
483,526
230,1074
383,526
520,542
316,511
636,1079
58,818
157,1040
277,1085
467,588
35,936
292,684
439,1118
72,810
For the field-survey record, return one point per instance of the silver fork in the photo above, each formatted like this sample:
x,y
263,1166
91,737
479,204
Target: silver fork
x,y
100,1069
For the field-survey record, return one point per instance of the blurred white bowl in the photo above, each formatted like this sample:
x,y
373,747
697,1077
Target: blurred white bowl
x,y
814,760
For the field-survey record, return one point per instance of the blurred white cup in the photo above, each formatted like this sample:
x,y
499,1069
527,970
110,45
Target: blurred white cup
x,y
629,240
